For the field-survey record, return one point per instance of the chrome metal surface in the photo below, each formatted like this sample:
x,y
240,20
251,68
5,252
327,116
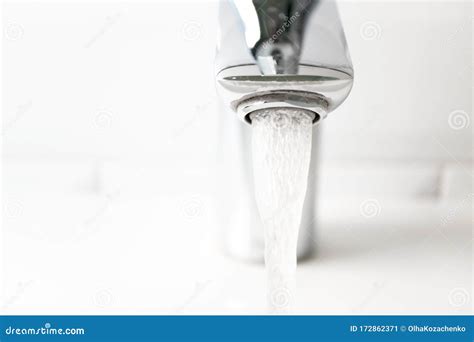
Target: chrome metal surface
x,y
273,54
313,103
282,46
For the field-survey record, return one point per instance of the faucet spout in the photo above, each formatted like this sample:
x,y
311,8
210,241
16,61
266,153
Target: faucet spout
x,y
271,52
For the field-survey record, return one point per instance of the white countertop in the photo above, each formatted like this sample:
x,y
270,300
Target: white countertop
x,y
97,255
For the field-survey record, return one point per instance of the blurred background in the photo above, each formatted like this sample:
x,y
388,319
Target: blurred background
x,y
109,129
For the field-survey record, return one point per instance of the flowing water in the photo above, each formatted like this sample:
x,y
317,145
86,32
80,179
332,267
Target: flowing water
x,y
281,147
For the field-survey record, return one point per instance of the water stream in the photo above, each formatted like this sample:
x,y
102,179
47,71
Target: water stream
x,y
281,150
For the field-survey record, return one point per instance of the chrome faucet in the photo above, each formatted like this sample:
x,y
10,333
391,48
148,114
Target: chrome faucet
x,y
274,54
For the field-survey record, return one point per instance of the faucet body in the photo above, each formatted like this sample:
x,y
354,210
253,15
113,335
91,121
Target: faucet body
x,y
274,54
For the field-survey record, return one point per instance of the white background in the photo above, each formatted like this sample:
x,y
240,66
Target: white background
x,y
109,142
